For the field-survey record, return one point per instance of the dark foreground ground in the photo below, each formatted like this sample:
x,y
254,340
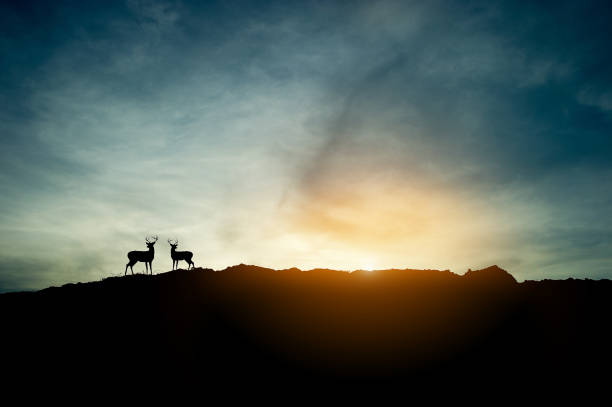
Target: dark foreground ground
x,y
249,324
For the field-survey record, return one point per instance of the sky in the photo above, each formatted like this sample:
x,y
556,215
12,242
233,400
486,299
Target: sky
x,y
339,134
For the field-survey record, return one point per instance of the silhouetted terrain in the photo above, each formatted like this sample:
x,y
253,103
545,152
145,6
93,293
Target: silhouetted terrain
x,y
248,323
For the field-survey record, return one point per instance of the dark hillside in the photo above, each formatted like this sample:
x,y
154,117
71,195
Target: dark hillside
x,y
255,324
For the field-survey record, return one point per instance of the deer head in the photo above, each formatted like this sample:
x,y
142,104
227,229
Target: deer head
x,y
151,242
173,244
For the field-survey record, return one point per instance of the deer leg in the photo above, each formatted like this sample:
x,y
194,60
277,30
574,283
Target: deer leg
x,y
130,265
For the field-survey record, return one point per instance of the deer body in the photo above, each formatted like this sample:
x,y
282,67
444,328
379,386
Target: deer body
x,y
178,256
144,256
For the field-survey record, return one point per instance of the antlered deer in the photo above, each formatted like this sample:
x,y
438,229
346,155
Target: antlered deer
x,y
145,257
177,256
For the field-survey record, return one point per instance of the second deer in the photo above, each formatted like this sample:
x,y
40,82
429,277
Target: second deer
x,y
178,256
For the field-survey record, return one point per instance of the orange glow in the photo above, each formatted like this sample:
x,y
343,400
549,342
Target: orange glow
x,y
385,223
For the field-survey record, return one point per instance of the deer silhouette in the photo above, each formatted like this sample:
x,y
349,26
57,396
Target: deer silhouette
x,y
177,256
144,256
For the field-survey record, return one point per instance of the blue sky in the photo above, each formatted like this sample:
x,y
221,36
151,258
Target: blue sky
x,y
312,134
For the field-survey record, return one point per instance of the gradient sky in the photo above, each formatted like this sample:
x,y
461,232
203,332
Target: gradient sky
x,y
339,134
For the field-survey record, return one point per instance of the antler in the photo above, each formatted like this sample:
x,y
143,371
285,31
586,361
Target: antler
x,y
173,243
151,241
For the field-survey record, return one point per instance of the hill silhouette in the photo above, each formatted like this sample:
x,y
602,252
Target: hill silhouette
x,y
254,324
